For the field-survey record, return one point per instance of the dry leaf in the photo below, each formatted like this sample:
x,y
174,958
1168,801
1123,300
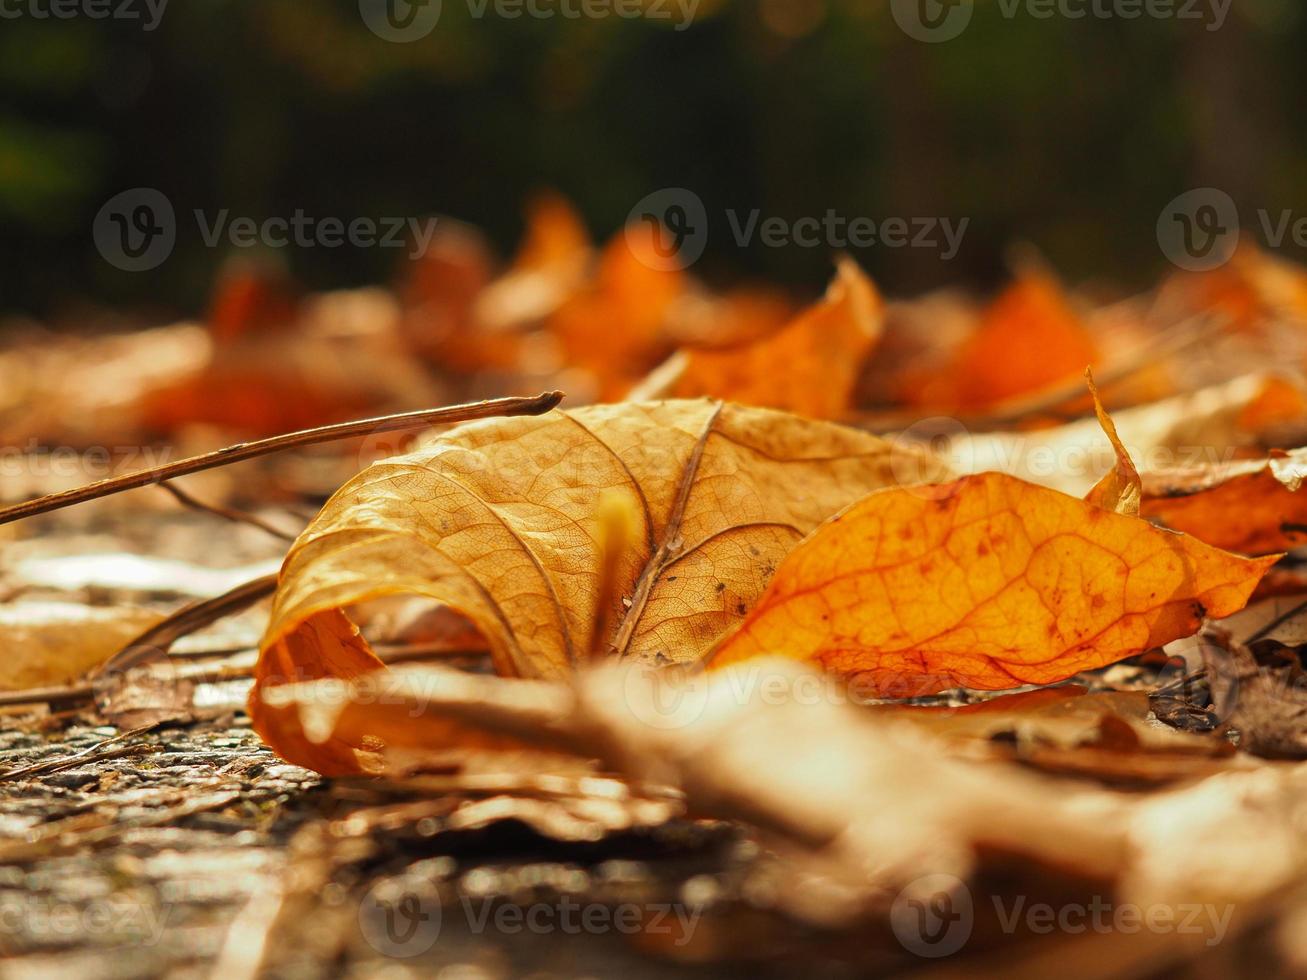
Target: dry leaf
x,y
1109,736
503,522
1251,506
550,266
747,754
1119,491
614,329
1063,717
1259,688
56,643
1203,426
809,367
883,810
1029,338
988,582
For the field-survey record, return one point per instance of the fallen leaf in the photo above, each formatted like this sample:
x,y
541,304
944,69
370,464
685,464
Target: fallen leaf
x,y
1204,426
1119,491
56,643
1250,506
1259,688
550,266
883,812
1110,736
503,522
1065,717
988,582
747,754
1027,339
809,367
614,328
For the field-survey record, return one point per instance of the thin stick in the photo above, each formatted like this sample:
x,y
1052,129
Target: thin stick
x,y
205,673
227,513
1276,622
308,437
93,752
196,615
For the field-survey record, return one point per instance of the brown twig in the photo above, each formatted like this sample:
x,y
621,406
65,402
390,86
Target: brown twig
x,y
227,513
206,673
91,753
308,437
196,615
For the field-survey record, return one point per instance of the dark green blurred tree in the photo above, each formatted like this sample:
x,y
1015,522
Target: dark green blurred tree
x,y
1070,134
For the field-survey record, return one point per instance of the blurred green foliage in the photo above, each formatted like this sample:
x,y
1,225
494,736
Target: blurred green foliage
x,y
1069,134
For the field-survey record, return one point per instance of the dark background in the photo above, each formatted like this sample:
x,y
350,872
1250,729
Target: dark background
x,y
1068,134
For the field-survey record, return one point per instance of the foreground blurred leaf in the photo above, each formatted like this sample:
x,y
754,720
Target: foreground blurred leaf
x,y
883,809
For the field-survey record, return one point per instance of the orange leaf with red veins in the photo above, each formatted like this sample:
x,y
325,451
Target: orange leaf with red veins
x,y
987,582
1253,506
809,367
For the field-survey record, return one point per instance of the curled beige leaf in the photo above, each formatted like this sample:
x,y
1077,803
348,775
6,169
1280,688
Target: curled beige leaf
x,y
505,522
